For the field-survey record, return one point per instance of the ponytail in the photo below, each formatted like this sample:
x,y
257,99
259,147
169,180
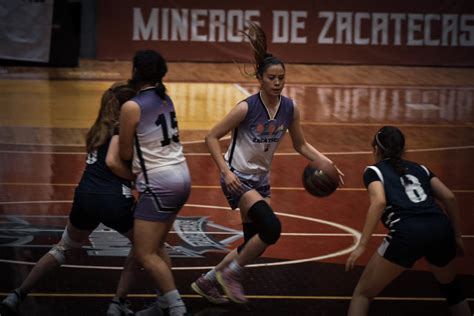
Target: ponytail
x,y
149,67
160,90
258,42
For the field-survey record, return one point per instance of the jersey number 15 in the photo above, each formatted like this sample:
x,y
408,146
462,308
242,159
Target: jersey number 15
x,y
161,121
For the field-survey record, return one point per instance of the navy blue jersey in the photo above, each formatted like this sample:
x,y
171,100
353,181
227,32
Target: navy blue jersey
x,y
404,198
98,178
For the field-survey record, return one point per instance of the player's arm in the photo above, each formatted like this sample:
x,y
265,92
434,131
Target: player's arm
x,y
447,197
227,124
115,163
129,117
376,208
303,147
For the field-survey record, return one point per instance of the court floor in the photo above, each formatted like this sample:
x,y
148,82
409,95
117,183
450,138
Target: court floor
x,y
45,114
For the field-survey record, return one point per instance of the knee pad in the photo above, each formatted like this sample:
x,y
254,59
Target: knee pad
x,y
267,224
452,292
249,231
62,247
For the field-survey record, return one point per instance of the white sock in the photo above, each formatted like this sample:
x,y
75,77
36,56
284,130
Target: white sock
x,y
235,267
175,303
211,275
161,300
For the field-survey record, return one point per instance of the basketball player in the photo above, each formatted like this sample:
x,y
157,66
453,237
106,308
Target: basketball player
x,y
149,134
103,196
258,124
402,194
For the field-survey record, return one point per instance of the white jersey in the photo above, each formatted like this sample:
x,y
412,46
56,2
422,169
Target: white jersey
x,y
157,132
257,137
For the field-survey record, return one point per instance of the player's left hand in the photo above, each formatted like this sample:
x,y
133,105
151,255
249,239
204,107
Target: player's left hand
x,y
353,257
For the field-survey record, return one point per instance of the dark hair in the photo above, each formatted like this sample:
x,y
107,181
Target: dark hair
x,y
149,67
391,142
109,113
258,41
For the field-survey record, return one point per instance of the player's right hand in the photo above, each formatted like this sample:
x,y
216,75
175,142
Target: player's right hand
x,y
232,182
353,257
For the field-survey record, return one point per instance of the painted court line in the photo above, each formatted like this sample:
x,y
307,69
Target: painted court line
x,y
188,142
355,239
191,232
371,86
268,297
206,187
276,154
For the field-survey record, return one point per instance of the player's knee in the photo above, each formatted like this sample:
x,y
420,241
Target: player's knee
x,y
452,292
60,250
146,261
361,292
266,222
145,256
249,231
273,232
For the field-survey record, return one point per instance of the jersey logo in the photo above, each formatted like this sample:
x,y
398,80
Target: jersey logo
x,y
267,133
91,157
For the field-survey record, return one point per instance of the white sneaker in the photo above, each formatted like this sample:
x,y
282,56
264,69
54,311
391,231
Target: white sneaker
x,y
152,310
117,308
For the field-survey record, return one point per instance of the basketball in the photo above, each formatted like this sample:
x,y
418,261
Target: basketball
x,y
320,178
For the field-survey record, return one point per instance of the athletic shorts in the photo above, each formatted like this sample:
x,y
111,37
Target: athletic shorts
x,y
171,186
113,210
259,182
430,236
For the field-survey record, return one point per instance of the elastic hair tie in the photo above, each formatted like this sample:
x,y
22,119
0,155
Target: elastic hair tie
x,y
379,143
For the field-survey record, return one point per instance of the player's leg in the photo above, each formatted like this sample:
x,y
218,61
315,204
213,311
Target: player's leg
x,y
148,236
148,239
267,232
72,238
207,285
451,289
117,213
378,273
266,225
441,257
249,231
154,216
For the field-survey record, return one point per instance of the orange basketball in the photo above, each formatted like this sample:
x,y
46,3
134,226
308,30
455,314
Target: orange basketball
x,y
320,178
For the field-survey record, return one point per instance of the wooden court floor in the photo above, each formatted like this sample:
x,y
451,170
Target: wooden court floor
x,y
45,113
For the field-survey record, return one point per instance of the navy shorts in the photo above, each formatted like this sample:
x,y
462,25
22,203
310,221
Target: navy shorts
x,y
112,210
171,186
259,182
430,236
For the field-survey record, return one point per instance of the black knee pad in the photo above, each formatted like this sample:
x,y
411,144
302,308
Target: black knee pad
x,y
249,231
452,292
267,224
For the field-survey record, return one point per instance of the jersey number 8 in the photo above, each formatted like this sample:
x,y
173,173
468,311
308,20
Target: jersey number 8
x,y
413,189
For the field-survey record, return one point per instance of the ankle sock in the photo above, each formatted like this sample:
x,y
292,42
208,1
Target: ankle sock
x,y
211,275
235,267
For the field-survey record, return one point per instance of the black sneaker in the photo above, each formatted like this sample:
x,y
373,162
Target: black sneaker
x,y
12,301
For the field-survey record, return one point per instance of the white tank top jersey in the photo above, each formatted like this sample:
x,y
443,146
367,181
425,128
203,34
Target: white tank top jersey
x,y
157,132
257,137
